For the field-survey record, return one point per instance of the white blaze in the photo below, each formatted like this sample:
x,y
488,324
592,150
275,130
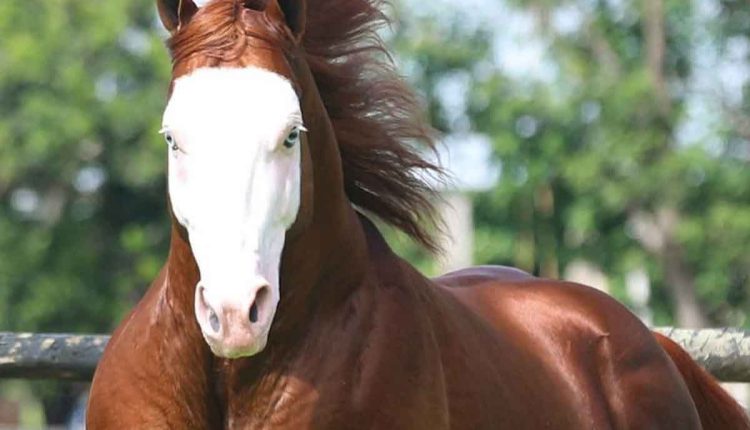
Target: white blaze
x,y
233,184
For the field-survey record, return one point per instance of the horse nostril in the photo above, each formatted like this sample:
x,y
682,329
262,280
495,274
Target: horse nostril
x,y
260,297
203,306
213,320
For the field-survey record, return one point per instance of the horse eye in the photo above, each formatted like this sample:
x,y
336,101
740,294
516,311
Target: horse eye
x,y
293,138
171,141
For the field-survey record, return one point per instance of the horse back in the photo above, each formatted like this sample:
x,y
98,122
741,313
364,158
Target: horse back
x,y
578,355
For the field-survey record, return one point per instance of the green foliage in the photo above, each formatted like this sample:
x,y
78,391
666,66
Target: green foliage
x,y
82,229
587,153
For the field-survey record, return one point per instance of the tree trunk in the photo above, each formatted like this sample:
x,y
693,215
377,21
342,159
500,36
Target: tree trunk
x,y
59,404
547,243
681,282
656,46
656,233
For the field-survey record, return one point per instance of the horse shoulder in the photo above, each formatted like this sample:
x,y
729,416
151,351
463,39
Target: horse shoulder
x,y
399,381
138,371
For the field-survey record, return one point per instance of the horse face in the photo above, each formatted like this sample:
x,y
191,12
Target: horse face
x,y
234,183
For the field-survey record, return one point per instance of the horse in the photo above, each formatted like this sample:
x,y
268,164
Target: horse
x,y
280,304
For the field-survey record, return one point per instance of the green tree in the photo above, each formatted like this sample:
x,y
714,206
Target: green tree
x,y
599,157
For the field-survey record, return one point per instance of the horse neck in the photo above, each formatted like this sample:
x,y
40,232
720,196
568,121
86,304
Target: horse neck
x,y
182,276
327,260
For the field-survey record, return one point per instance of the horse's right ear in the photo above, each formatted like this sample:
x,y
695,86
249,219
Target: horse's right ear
x,y
175,13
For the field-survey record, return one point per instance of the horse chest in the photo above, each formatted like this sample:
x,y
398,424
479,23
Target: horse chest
x,y
386,376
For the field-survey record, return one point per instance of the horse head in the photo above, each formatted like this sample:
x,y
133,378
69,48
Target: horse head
x,y
234,130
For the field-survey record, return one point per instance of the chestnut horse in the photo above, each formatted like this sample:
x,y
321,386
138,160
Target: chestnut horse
x,y
281,306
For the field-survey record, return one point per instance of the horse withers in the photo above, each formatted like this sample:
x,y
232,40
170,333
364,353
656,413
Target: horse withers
x,y
280,304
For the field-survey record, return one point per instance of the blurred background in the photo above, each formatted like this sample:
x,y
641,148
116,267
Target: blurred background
x,y
601,141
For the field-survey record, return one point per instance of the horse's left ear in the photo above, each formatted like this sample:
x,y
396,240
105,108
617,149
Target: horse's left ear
x,y
295,13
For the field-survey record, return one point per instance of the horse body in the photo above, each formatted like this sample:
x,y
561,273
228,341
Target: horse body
x,y
506,350
361,339
403,352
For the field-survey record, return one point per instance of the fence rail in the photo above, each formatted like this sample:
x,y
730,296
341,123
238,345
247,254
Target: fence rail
x,y
723,352
50,356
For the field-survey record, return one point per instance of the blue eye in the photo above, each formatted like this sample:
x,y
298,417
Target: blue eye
x,y
293,138
171,141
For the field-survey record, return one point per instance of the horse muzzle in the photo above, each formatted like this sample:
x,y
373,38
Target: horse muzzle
x,y
235,323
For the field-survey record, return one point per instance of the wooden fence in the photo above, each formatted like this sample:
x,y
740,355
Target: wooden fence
x,y
723,352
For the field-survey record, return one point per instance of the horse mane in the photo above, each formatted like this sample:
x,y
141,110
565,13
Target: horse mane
x,y
378,120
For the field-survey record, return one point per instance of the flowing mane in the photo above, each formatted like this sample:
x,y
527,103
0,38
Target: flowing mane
x,y
378,120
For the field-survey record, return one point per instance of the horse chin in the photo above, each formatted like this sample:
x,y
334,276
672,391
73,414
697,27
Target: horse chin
x,y
229,351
